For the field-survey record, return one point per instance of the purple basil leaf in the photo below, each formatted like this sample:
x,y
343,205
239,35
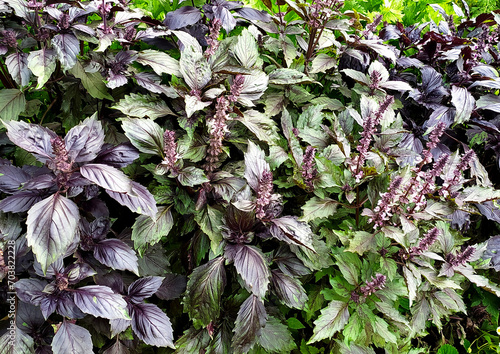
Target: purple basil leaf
x,y
107,177
30,290
12,178
145,134
152,325
182,17
96,230
119,325
71,338
432,90
20,202
292,231
172,287
289,264
32,138
118,156
67,47
16,341
116,80
251,319
41,182
141,202
117,348
112,280
143,288
289,290
100,301
223,14
52,225
276,338
493,252
252,266
204,291
252,14
78,271
85,140
116,254
255,165
29,318
489,210
17,63
61,302
463,102
55,268
151,82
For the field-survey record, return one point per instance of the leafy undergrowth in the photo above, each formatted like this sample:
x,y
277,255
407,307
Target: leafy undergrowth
x,y
204,177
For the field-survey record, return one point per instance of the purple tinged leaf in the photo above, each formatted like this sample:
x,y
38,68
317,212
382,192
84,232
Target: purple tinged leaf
x,y
116,254
463,102
85,140
292,231
17,63
29,318
16,341
42,64
101,301
252,266
60,302
12,103
195,68
152,83
251,319
119,325
148,231
432,90
289,264
182,17
276,338
152,325
204,291
141,202
493,252
143,288
253,14
30,290
12,178
255,165
67,47
32,138
160,62
76,272
41,182
107,177
172,287
289,290
73,339
223,14
52,225
116,80
144,134
52,270
332,319
117,348
117,156
20,202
